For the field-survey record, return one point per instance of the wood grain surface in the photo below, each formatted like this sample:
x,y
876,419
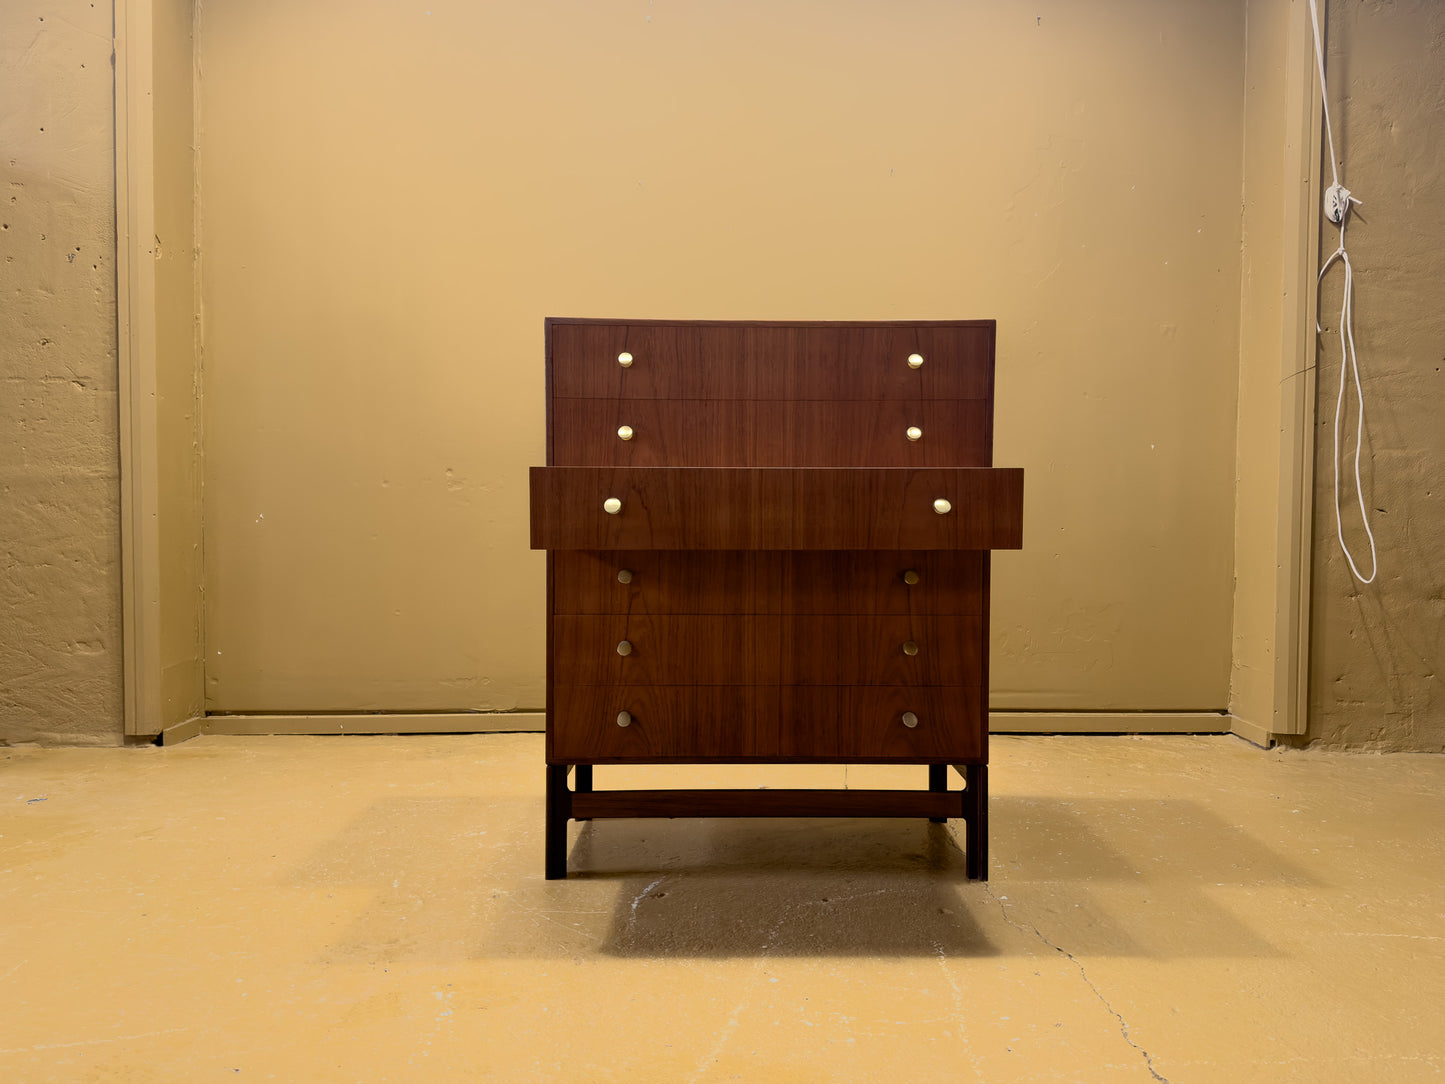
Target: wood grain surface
x,y
776,508
761,582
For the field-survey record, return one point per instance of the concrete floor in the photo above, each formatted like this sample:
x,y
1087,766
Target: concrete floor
x,y
372,909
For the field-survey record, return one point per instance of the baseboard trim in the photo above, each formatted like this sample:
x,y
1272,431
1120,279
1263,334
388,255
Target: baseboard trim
x,y
1108,722
462,722
1253,733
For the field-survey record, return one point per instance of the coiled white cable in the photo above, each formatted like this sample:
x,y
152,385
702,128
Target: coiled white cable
x,y
1337,209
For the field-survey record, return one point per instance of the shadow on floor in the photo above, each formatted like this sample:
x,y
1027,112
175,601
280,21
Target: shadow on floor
x,y
449,878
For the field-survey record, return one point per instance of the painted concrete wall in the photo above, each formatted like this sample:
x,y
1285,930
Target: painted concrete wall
x,y
394,196
1379,650
60,639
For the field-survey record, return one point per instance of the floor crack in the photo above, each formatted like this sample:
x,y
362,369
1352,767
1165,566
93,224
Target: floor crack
x,y
1083,974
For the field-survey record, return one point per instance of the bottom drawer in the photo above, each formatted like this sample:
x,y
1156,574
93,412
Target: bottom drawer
x,y
665,722
770,722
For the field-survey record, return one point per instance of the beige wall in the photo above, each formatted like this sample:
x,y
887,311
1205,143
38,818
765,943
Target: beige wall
x,y
60,640
1379,650
394,198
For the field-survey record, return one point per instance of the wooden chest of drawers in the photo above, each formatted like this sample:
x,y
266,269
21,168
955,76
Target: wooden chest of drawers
x,y
769,543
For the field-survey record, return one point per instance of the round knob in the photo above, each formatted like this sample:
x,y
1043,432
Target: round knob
x,y
910,577
625,432
910,648
941,506
624,718
915,360
624,575
624,647
612,506
909,719
914,433
624,359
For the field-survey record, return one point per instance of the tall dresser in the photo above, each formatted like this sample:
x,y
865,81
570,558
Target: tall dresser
x,y
769,543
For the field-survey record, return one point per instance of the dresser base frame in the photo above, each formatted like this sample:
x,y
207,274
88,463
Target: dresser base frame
x,y
936,804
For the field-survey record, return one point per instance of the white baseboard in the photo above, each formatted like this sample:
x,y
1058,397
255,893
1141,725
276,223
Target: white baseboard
x,y
462,722
1000,722
1108,722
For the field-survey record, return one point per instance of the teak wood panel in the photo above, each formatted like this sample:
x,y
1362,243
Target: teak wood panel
x,y
776,508
758,722
792,650
768,361
732,433
764,582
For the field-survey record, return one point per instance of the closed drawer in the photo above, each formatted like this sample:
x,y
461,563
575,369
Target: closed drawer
x,y
699,723
763,508
664,723
732,433
867,722
642,649
883,650
664,362
768,582
863,362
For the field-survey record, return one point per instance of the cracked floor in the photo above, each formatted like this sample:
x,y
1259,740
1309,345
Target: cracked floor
x,y
371,909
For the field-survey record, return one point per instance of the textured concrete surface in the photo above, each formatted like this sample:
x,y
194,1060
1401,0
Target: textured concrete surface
x,y
1379,650
60,642
372,909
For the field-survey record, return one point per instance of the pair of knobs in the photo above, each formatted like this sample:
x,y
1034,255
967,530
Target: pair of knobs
x,y
624,432
624,648
910,720
612,506
625,360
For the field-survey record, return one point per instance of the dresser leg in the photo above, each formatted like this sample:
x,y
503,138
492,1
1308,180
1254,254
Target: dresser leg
x,y
582,783
975,839
559,810
937,783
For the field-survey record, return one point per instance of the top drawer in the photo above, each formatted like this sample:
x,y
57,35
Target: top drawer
x,y
605,360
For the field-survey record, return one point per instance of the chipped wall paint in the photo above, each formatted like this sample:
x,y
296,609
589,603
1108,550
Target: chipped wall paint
x,y
395,196
1378,650
60,633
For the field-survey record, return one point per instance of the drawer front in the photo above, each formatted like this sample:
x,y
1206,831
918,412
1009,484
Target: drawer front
x,y
846,650
768,582
659,433
642,649
732,433
867,722
692,508
666,723
666,650
770,362
665,362
807,433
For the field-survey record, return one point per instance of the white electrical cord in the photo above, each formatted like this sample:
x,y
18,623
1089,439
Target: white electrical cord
x,y
1337,209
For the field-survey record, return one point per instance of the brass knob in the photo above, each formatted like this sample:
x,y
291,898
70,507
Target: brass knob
x,y
624,575
910,720
624,718
625,432
910,577
612,506
915,360
914,433
910,648
624,359
941,506
624,648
